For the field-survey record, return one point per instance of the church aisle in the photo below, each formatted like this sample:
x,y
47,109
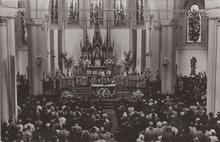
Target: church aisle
x,y
112,115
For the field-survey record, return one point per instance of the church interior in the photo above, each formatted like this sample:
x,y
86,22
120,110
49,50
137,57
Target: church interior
x,y
110,70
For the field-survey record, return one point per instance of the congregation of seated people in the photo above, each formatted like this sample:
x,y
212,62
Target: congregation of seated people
x,y
154,118
47,120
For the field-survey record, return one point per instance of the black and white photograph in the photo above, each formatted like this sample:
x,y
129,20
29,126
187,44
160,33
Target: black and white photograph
x,y
110,70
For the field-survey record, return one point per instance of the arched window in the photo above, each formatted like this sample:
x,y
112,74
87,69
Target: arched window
x,y
140,11
96,11
193,24
120,12
73,11
54,11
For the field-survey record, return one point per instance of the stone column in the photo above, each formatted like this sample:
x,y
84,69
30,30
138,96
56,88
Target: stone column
x,y
8,88
213,65
148,46
12,65
37,49
167,53
155,47
5,96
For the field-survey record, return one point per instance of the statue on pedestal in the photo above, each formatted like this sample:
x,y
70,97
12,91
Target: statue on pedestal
x,y
193,66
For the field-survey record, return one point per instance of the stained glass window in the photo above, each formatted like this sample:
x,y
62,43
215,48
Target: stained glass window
x,y
120,12
140,11
96,11
54,11
194,24
73,11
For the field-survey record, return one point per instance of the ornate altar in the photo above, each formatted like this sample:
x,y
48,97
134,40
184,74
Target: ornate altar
x,y
98,57
103,91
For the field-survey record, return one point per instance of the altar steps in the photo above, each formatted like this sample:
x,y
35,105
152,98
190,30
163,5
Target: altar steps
x,y
85,92
77,91
123,91
81,91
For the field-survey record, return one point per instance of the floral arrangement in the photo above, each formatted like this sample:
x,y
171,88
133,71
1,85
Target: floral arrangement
x,y
165,61
88,72
67,61
119,63
109,62
128,61
76,64
85,62
104,93
22,84
137,94
39,60
147,73
66,95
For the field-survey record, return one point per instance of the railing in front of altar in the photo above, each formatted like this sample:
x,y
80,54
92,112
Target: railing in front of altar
x,y
84,81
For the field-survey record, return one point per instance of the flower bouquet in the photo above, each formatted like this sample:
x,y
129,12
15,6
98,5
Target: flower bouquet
x,y
147,73
109,62
128,61
137,94
165,61
104,93
39,60
66,95
87,62
76,64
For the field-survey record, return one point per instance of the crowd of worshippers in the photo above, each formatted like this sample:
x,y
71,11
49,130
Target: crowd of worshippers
x,y
192,85
155,118
168,119
44,120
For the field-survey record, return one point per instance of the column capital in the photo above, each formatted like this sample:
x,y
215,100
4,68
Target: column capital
x,y
157,26
213,13
9,12
215,18
169,23
39,22
36,22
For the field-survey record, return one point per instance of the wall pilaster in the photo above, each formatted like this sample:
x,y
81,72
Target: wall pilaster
x,y
154,53
37,55
213,66
167,61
